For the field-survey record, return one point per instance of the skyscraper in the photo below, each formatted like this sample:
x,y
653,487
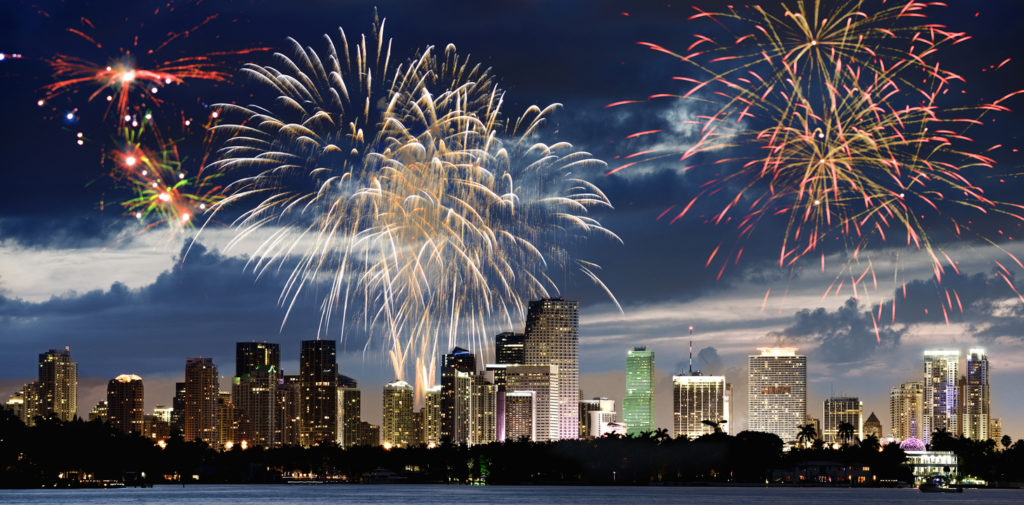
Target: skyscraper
x,y
552,338
289,393
456,394
126,403
58,385
508,348
318,398
201,395
254,390
695,399
349,411
398,414
637,406
483,410
839,410
873,427
432,416
520,416
940,392
178,408
905,410
594,414
777,391
975,396
542,380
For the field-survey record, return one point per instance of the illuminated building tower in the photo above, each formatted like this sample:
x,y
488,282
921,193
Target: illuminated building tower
x,y
232,423
318,397
940,392
995,428
728,408
99,412
975,396
126,403
905,410
163,413
201,395
777,392
483,410
594,414
637,406
432,416
254,390
520,418
178,408
398,414
508,348
839,410
542,380
873,427
552,338
456,368
695,399
58,385
289,409
349,411
16,405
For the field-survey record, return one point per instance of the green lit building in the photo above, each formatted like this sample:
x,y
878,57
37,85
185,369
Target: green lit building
x,y
638,406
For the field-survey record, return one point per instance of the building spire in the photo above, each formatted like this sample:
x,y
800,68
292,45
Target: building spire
x,y
691,349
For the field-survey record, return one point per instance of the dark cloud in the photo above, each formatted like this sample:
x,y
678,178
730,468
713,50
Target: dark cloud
x,y
846,335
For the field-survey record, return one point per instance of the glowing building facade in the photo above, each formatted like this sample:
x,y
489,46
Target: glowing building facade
x,y
940,393
839,410
905,410
638,404
695,399
432,416
777,392
542,381
398,414
552,339
126,403
201,394
975,397
58,385
520,416
254,390
318,396
457,368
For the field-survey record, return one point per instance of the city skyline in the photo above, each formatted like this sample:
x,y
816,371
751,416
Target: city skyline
x,y
132,300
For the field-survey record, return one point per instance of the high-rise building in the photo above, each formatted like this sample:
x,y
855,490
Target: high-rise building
x,y
695,399
254,390
369,434
178,408
543,381
432,416
126,403
349,412
58,384
728,428
873,427
31,403
777,392
905,410
318,400
201,396
637,406
940,392
593,414
975,396
483,410
995,429
99,412
508,348
232,423
250,356
398,414
289,393
552,338
456,395
16,405
520,418
839,410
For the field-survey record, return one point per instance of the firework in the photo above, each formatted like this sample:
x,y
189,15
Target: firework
x,y
830,116
399,187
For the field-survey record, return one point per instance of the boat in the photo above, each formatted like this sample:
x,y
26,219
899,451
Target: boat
x,y
939,484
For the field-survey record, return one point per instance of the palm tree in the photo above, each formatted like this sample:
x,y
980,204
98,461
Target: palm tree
x,y
845,432
661,435
807,434
1006,441
870,442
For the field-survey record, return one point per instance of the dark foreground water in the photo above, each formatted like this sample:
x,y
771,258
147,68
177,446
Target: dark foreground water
x,y
511,495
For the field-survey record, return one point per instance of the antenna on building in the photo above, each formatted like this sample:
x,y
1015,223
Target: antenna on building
x,y
691,350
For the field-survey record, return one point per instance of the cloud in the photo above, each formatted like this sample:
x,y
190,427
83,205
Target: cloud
x,y
846,335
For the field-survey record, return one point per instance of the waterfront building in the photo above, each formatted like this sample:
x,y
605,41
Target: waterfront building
x,y
254,390
58,385
349,411
552,339
638,404
369,434
126,403
232,423
201,395
905,411
695,399
483,410
318,400
777,392
520,418
975,397
178,408
543,381
995,429
509,349
605,406
432,416
940,394
839,410
398,414
99,412
873,427
457,368
289,409
163,413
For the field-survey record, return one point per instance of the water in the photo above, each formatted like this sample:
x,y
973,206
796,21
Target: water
x,y
511,495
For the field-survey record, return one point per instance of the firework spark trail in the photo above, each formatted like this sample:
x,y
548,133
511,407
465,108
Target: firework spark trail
x,y
840,106
400,186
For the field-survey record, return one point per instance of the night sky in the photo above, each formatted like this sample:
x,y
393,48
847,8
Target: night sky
x,y
75,271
